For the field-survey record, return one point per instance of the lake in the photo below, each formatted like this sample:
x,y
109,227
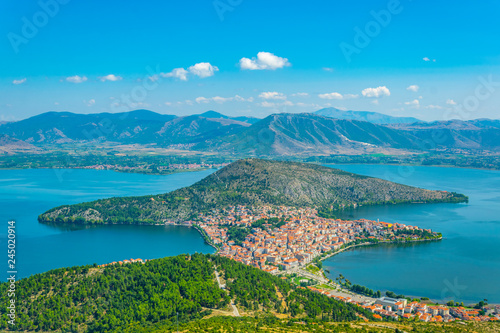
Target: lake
x,y
464,266
39,247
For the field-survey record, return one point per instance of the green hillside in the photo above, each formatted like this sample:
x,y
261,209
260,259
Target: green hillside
x,y
251,182
116,297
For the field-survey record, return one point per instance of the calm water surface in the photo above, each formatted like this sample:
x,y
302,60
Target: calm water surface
x,y
464,266
24,194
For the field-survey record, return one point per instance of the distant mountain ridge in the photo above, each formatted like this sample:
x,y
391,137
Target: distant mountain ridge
x,y
372,117
139,126
281,134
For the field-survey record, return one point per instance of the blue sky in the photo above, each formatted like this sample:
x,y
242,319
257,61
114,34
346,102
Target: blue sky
x,y
434,61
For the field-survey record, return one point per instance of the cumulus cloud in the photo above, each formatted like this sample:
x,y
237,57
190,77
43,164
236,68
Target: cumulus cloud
x,y
220,100
333,95
376,92
336,95
201,99
178,73
90,103
203,69
415,103
451,102
413,88
110,77
428,59
272,95
300,94
264,60
267,104
21,81
76,79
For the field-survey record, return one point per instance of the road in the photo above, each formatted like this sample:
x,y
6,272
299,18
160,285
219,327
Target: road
x,y
236,313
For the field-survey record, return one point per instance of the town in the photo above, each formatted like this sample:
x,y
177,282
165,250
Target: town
x,y
282,240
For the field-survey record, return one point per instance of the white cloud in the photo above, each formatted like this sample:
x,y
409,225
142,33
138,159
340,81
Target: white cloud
x,y
336,95
451,102
168,103
428,59
328,69
220,100
178,73
203,69
376,92
267,104
264,60
413,88
76,79
333,95
21,81
434,107
110,77
272,95
90,103
415,103
202,100
300,94
375,101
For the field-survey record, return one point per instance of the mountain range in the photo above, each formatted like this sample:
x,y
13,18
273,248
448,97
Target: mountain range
x,y
372,117
276,135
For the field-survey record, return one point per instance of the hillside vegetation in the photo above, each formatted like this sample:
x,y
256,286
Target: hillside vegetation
x,y
117,297
251,182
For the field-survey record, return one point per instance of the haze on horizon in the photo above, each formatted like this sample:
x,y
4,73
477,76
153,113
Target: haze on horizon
x,y
432,61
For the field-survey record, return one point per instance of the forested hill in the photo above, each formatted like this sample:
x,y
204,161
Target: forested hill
x,y
117,297
251,182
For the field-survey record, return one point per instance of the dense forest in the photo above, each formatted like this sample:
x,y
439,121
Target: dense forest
x,y
112,298
251,182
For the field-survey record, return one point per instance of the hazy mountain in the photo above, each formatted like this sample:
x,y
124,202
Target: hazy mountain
x,y
290,134
372,117
472,134
275,135
10,145
140,126
216,115
251,182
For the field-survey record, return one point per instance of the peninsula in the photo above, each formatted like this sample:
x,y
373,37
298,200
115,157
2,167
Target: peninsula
x,y
251,183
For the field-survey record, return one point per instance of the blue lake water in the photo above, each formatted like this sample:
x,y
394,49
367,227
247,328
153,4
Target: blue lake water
x,y
464,266
24,194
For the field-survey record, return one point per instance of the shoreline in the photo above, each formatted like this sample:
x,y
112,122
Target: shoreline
x,y
202,169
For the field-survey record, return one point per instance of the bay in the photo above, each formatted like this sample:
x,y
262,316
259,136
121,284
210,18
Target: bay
x,y
24,194
464,266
